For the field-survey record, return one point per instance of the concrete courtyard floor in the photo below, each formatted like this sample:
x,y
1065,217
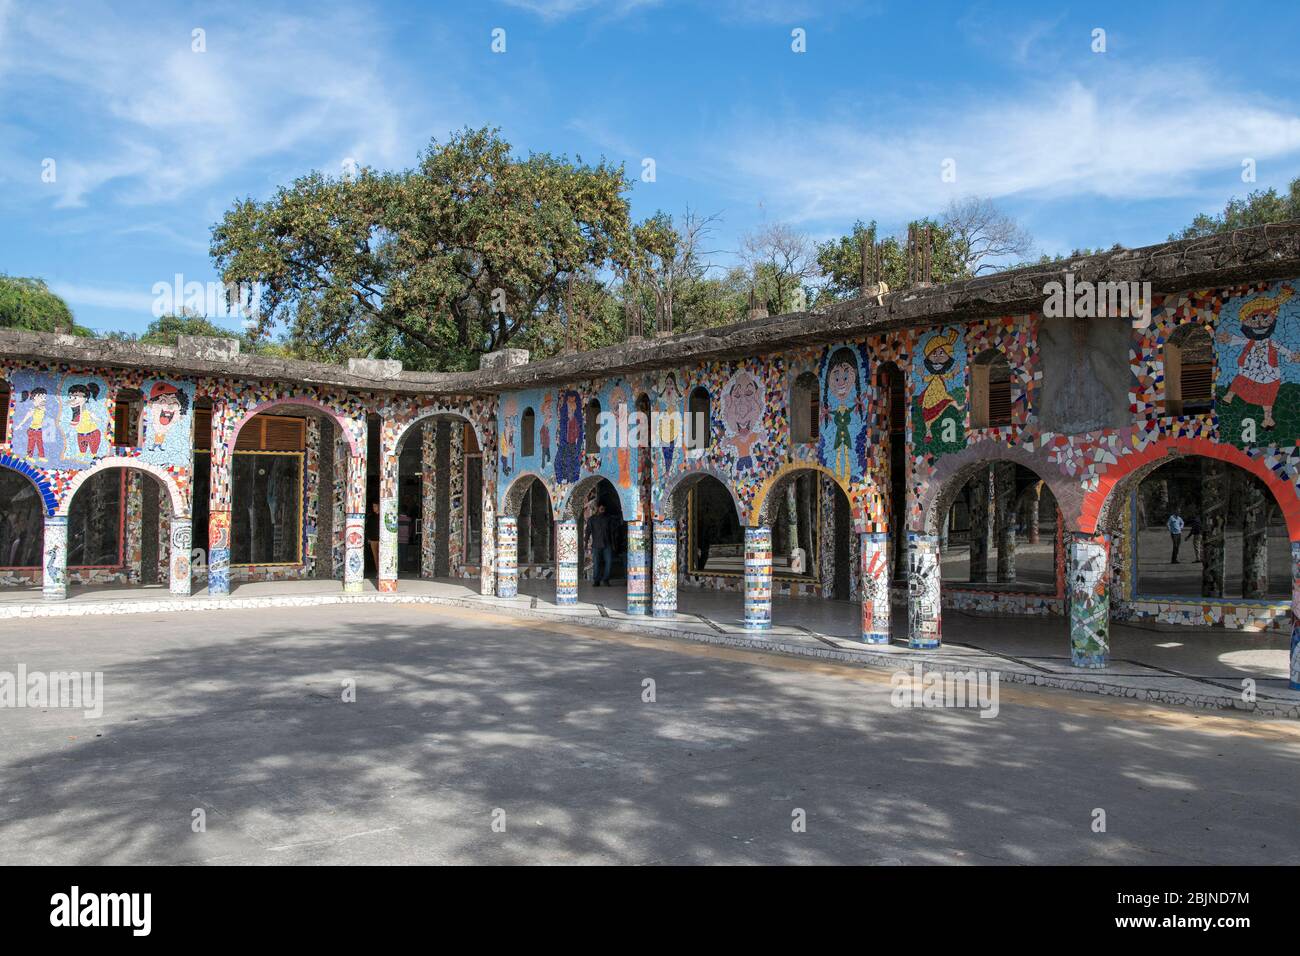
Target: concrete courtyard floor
x,y
1200,667
460,713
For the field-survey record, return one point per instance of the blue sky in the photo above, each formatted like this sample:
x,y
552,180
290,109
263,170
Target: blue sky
x,y
153,141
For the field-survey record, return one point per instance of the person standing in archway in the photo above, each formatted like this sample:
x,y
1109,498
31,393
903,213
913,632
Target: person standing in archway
x,y
600,538
1175,526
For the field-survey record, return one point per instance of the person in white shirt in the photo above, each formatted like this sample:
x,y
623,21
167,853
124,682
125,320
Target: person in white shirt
x,y
1175,525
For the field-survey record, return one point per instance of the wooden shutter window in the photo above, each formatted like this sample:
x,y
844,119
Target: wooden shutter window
x,y
203,428
999,403
122,424
283,434
1197,386
272,433
4,415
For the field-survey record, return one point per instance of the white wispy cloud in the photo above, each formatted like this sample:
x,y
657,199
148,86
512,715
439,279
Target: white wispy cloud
x,y
561,9
1140,134
136,301
164,120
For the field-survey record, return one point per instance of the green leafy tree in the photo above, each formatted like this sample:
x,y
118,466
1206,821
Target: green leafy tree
x,y
1260,207
29,304
435,265
840,260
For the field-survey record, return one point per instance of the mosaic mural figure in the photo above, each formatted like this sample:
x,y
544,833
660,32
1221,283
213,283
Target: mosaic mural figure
x,y
618,407
842,411
508,428
568,451
85,419
939,401
166,424
742,414
32,423
548,411
1256,371
670,419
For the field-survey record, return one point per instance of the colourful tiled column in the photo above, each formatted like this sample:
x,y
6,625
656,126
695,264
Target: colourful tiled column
x,y
386,580
54,558
1088,580
219,490
219,553
354,534
181,543
924,617
487,563
507,556
566,565
873,587
1295,615
758,579
638,569
664,601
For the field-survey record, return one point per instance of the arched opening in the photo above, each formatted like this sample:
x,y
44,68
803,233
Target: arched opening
x,y
1208,529
1189,371
812,533
699,421
536,530
22,529
118,526
283,472
527,433
990,390
598,496
1000,532
591,427
805,409
711,540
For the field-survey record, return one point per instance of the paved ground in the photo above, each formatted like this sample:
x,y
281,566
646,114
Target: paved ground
x,y
461,712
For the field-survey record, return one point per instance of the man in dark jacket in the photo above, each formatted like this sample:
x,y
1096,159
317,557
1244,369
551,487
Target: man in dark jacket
x,y
600,537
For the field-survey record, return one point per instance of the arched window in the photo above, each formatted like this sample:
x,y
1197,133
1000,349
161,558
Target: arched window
x,y
1189,371
699,427
527,428
990,375
805,409
592,426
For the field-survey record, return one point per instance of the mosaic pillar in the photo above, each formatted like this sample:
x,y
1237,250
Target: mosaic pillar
x,y
1031,522
758,579
874,586
354,533
218,553
1214,511
924,616
1254,539
428,499
1089,595
222,445
638,569
387,577
54,559
1295,615
981,529
508,556
566,561
1005,502
488,524
664,601
180,546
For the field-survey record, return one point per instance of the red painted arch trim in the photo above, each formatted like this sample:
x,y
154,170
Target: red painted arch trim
x,y
1283,491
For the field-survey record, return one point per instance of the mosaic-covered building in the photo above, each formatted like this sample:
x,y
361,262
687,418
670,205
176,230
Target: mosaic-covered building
x,y
1110,438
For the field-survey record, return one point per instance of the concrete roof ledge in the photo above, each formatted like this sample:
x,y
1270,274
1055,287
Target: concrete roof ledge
x,y
207,348
383,369
503,359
